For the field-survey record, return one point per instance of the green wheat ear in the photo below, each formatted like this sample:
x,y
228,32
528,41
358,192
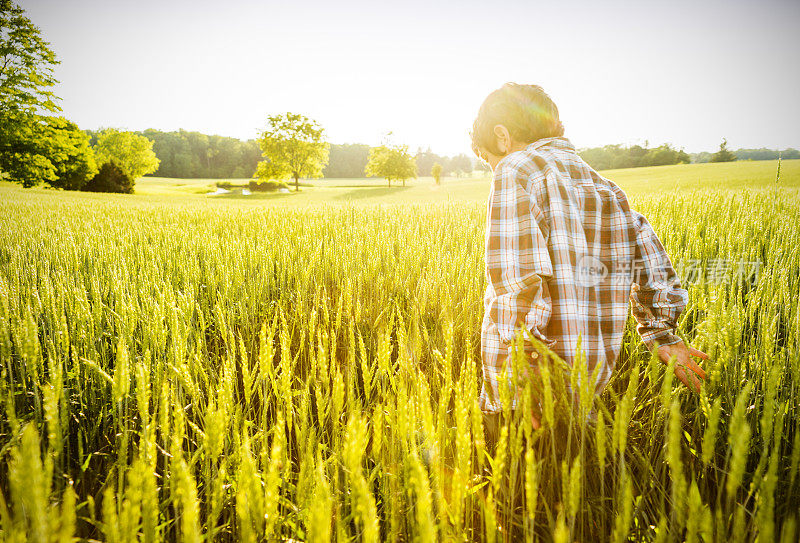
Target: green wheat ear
x,y
175,372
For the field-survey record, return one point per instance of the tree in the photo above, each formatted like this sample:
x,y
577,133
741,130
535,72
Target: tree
x,y
723,155
46,149
26,77
192,154
26,64
292,146
110,178
21,149
619,156
766,154
425,161
347,160
67,147
268,170
132,153
436,172
392,162
460,165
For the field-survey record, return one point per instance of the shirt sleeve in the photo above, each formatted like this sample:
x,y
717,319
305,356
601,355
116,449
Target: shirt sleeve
x,y
517,260
657,298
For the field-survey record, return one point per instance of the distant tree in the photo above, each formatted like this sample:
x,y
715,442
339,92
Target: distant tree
x,y
293,146
132,153
425,161
619,156
192,154
436,172
347,160
700,158
723,155
482,166
110,178
766,154
460,165
661,156
250,157
392,162
637,153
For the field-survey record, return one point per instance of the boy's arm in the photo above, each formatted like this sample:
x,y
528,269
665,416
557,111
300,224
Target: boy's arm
x,y
657,298
517,261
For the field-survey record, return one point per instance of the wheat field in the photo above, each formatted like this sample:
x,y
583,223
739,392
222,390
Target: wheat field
x,y
182,372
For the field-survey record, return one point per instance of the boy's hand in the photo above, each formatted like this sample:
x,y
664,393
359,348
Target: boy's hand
x,y
686,369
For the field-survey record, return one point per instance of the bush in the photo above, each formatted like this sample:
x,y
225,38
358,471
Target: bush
x,y
110,179
266,186
224,185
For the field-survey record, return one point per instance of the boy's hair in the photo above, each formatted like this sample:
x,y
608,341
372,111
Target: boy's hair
x,y
526,110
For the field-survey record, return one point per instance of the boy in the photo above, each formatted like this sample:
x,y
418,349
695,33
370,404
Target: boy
x,y
564,252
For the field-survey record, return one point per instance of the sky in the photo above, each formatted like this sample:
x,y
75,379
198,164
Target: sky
x,y
687,73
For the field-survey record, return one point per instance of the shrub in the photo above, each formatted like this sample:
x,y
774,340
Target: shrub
x,y
110,179
266,186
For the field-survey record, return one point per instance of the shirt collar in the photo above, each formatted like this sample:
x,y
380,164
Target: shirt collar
x,y
556,142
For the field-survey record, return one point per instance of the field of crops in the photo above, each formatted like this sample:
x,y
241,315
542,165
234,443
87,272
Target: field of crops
x,y
635,181
190,372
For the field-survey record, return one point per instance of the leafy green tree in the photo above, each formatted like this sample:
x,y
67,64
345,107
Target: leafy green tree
x,y
661,156
723,155
392,162
132,153
21,149
67,147
436,172
26,77
292,146
110,178
267,170
26,64
47,149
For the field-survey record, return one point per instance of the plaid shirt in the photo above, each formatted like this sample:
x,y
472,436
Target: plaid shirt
x,y
564,255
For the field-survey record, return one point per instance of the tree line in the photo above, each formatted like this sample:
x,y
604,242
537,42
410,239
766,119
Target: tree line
x,y
751,154
611,157
618,156
186,154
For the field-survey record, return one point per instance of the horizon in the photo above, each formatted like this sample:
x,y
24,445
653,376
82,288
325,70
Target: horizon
x,y
421,71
